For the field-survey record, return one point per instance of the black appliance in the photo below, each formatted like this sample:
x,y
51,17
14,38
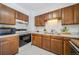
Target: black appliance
x,y
24,39
6,31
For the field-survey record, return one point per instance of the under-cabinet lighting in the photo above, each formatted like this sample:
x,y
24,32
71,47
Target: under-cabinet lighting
x,y
52,22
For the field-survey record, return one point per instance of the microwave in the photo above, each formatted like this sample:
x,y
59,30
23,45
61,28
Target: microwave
x,y
7,31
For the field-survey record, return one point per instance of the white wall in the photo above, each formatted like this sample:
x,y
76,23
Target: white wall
x,y
52,7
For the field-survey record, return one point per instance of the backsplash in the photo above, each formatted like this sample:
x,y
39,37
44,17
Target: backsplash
x,y
58,26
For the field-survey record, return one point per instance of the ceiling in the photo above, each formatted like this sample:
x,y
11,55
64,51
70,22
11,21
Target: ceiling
x,y
40,7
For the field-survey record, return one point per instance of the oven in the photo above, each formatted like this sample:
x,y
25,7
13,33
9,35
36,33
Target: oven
x,y
24,36
24,39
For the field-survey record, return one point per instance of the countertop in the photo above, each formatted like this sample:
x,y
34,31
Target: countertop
x,y
22,33
16,34
72,36
8,35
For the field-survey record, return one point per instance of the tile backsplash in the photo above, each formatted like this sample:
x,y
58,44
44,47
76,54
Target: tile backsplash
x,y
58,26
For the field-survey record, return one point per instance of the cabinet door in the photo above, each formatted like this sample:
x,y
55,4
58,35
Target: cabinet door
x,y
67,49
7,15
56,46
0,49
41,20
46,42
36,40
68,15
76,14
57,14
9,45
25,18
5,47
14,44
37,22
19,15
46,16
50,15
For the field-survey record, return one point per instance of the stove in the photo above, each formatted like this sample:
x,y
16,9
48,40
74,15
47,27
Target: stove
x,y
25,37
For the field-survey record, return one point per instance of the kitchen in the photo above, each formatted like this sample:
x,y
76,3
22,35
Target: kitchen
x,y
53,29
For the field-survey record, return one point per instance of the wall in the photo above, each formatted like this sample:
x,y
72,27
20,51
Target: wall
x,y
52,7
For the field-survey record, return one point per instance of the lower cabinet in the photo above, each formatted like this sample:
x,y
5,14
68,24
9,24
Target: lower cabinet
x,y
46,42
56,45
67,48
9,45
36,40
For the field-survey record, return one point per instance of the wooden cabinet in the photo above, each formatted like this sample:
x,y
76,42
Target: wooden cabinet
x,y
66,46
68,15
5,48
50,15
57,14
19,15
46,17
56,45
25,18
46,42
22,16
9,45
76,14
7,15
42,20
39,20
37,40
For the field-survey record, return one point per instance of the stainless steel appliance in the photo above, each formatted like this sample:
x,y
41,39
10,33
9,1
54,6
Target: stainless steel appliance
x,y
6,31
74,47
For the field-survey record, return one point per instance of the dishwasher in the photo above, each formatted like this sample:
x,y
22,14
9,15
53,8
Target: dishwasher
x,y
74,48
24,39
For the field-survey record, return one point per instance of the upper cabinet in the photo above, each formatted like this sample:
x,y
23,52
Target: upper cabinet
x,y
7,15
46,16
22,16
19,15
76,14
68,15
39,20
57,14
37,23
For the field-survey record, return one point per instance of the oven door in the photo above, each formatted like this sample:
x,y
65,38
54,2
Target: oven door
x,y
24,39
